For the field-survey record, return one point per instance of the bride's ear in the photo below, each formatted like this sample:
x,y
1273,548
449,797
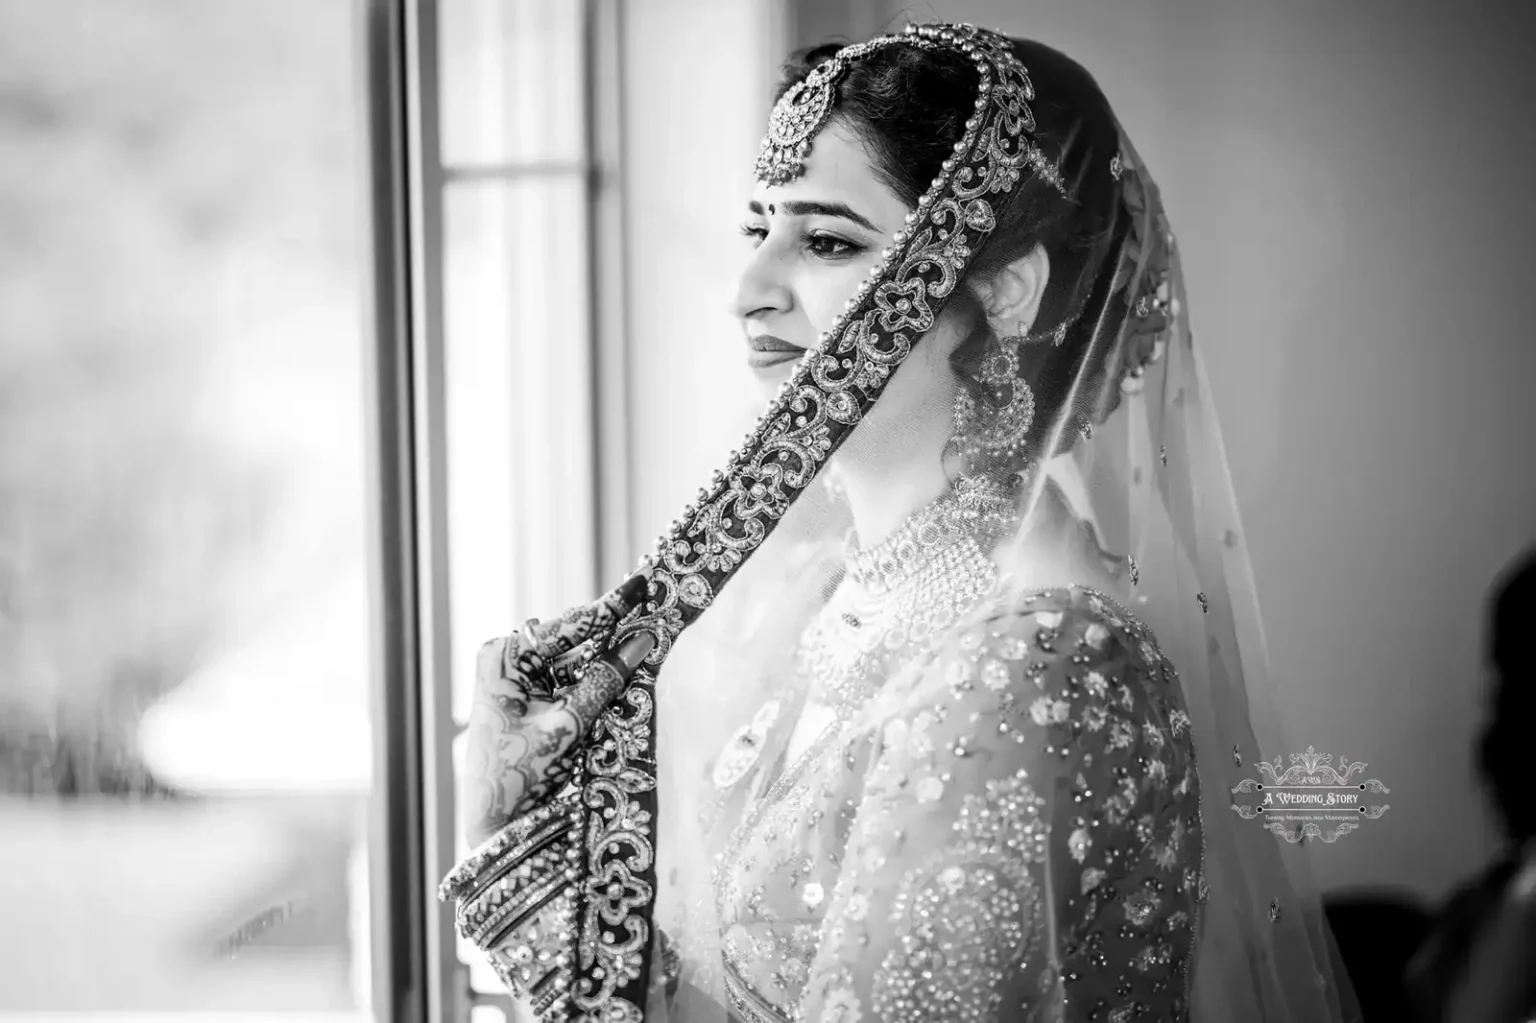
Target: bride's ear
x,y
1011,297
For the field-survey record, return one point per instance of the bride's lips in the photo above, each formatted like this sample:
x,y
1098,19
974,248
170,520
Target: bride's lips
x,y
767,350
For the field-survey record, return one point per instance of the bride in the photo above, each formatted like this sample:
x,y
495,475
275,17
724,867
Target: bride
x,y
901,722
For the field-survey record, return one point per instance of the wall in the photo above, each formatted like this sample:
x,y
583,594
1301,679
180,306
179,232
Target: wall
x,y
1348,182
697,91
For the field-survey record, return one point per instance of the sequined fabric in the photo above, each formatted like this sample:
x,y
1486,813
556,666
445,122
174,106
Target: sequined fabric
x,y
1007,830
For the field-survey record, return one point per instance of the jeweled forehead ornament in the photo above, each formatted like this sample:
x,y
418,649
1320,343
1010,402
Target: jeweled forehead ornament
x,y
803,111
806,107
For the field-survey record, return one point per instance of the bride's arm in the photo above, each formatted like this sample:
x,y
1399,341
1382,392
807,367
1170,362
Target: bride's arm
x,y
1028,837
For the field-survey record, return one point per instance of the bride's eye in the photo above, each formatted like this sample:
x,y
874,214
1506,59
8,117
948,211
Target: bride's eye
x,y
830,246
756,232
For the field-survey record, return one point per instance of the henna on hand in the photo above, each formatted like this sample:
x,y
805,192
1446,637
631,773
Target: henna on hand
x,y
523,734
539,761
585,703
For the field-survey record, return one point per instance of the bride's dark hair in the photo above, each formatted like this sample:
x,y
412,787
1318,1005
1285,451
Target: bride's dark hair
x,y
909,106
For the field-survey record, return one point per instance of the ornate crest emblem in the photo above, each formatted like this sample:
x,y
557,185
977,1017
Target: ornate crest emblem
x,y
1309,791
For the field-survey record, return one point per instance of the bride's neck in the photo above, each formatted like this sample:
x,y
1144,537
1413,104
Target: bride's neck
x,y
894,465
882,498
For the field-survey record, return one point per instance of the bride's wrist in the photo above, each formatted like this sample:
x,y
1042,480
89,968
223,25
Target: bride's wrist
x,y
549,783
515,898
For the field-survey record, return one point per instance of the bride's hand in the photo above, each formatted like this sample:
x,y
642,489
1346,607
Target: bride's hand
x,y
537,695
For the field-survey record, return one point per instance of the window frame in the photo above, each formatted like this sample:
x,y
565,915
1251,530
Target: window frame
x,y
417,975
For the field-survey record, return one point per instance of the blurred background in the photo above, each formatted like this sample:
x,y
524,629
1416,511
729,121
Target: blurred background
x,y
338,336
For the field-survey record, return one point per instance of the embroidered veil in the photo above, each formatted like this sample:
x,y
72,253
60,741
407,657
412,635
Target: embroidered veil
x,y
1044,687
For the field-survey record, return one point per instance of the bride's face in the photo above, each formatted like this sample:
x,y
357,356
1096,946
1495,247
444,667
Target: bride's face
x,y
814,241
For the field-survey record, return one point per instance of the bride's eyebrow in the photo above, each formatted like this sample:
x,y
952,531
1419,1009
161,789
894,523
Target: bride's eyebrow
x,y
812,208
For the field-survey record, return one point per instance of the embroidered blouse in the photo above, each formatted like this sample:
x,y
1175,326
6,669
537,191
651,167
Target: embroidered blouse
x,y
1009,830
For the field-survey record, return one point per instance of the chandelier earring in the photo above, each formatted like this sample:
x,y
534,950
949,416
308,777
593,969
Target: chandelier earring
x,y
991,428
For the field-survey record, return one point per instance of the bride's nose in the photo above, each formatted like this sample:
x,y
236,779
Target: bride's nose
x,y
763,286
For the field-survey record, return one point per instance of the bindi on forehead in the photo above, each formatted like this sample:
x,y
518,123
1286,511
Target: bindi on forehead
x,y
814,208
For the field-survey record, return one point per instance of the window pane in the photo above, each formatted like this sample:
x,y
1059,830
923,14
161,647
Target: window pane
x,y
517,371
184,718
517,403
511,82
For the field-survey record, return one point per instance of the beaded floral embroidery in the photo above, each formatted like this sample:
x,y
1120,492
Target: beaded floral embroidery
x,y
956,852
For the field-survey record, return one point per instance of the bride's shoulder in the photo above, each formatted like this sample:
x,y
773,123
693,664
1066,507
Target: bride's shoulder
x,y
1085,618
1068,650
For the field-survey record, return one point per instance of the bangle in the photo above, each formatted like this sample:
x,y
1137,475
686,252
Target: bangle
x,y
516,901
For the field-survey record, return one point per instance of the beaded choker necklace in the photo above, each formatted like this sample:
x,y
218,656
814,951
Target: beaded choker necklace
x,y
902,594
979,508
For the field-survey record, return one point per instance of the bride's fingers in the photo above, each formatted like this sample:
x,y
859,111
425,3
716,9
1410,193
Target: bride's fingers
x,y
604,679
627,596
554,639
596,621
